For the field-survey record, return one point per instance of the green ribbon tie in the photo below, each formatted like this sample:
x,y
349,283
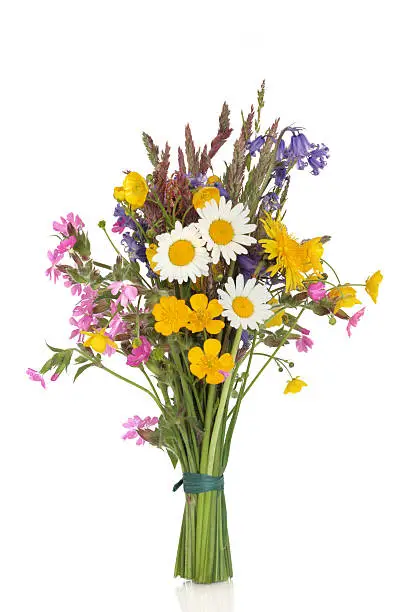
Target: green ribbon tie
x,y
199,483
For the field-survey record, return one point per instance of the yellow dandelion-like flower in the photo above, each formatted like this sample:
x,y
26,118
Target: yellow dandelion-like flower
x,y
171,315
286,250
295,385
135,189
207,363
98,341
213,179
203,315
372,285
312,255
344,296
204,195
150,253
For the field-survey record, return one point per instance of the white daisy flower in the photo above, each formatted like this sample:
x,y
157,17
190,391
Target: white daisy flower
x,y
245,304
181,254
224,228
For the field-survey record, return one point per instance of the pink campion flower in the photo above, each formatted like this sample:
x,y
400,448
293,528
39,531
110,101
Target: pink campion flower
x,y
76,288
135,423
52,271
109,350
117,326
55,376
82,324
128,293
316,291
72,219
36,376
303,330
86,303
303,344
352,322
119,226
140,354
66,244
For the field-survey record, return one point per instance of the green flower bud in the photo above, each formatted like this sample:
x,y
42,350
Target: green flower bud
x,y
102,224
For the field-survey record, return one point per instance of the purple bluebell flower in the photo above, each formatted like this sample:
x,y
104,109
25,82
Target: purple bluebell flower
x,y
247,265
198,180
281,151
299,146
317,158
246,338
254,146
223,192
271,202
279,174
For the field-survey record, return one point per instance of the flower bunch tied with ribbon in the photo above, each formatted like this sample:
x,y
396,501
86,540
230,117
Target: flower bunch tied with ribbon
x,y
207,288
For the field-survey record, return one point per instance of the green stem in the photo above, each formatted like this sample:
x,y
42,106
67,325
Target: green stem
x,y
102,265
281,343
112,243
221,408
332,269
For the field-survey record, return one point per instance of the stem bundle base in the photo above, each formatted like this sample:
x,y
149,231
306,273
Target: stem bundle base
x,y
204,554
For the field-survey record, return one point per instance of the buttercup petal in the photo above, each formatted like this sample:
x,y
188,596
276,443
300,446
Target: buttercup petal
x,y
195,354
212,347
199,301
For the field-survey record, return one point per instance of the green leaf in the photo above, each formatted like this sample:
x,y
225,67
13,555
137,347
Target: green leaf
x,y
81,360
82,369
173,458
82,245
53,349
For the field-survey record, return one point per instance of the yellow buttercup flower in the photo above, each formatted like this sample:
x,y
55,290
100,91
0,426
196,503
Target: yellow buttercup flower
x,y
277,319
203,315
205,194
207,363
171,315
119,194
372,285
150,253
213,179
98,341
344,296
286,250
295,385
135,189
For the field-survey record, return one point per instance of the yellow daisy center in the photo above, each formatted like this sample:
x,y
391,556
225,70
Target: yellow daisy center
x,y
243,307
221,231
181,253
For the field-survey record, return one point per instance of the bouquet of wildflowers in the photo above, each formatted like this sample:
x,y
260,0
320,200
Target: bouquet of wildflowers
x,y
206,277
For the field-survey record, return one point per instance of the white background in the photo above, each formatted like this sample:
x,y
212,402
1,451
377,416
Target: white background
x,y
317,482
